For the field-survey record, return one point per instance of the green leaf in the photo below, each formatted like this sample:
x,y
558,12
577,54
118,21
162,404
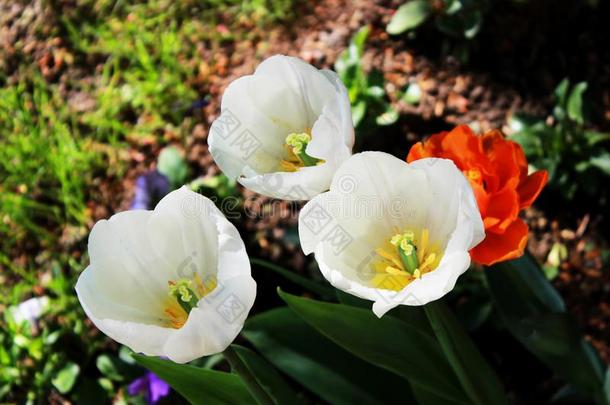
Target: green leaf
x,y
66,377
425,397
318,364
115,368
89,392
358,111
593,137
472,22
358,40
601,162
412,94
527,281
474,312
310,285
409,16
197,385
267,377
607,385
561,92
535,315
551,272
452,6
388,117
375,92
108,367
575,102
172,165
477,377
417,357
352,300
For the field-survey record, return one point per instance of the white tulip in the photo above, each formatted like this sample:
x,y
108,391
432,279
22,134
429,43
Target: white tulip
x,y
171,282
391,232
284,130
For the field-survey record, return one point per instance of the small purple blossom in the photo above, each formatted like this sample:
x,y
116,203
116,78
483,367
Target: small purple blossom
x,y
150,386
150,188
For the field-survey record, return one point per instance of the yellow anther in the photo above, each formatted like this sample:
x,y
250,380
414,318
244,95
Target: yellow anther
x,y
406,256
184,296
395,272
296,143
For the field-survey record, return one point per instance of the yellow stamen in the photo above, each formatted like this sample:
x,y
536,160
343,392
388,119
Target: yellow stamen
x,y
423,244
403,258
184,295
295,145
392,257
395,272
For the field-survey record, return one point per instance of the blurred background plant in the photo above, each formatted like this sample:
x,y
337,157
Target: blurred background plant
x,y
564,144
459,20
366,91
456,18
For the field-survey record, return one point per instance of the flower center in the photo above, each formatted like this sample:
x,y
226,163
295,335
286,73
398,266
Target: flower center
x,y
297,158
184,294
404,258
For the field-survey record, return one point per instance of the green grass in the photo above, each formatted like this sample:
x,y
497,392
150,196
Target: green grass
x,y
137,65
44,165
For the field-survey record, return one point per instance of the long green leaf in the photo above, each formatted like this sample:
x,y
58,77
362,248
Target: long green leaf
x,y
198,385
386,342
320,365
267,377
310,285
477,377
535,315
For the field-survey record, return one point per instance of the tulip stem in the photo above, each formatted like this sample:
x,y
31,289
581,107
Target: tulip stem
x,y
241,368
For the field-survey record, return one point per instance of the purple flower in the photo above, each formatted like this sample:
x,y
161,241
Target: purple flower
x,y
150,386
150,188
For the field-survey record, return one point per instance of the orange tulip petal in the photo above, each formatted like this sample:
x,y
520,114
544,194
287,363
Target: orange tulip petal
x,y
418,151
503,155
497,171
503,206
462,146
498,247
481,196
530,188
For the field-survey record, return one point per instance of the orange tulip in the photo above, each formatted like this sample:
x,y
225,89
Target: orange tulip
x,y
497,171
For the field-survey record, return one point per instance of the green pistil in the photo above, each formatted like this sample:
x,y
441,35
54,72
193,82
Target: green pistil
x,y
406,250
299,142
182,291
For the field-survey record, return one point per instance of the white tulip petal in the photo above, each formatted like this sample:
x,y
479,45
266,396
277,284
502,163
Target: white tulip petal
x,y
312,90
136,253
284,96
374,196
